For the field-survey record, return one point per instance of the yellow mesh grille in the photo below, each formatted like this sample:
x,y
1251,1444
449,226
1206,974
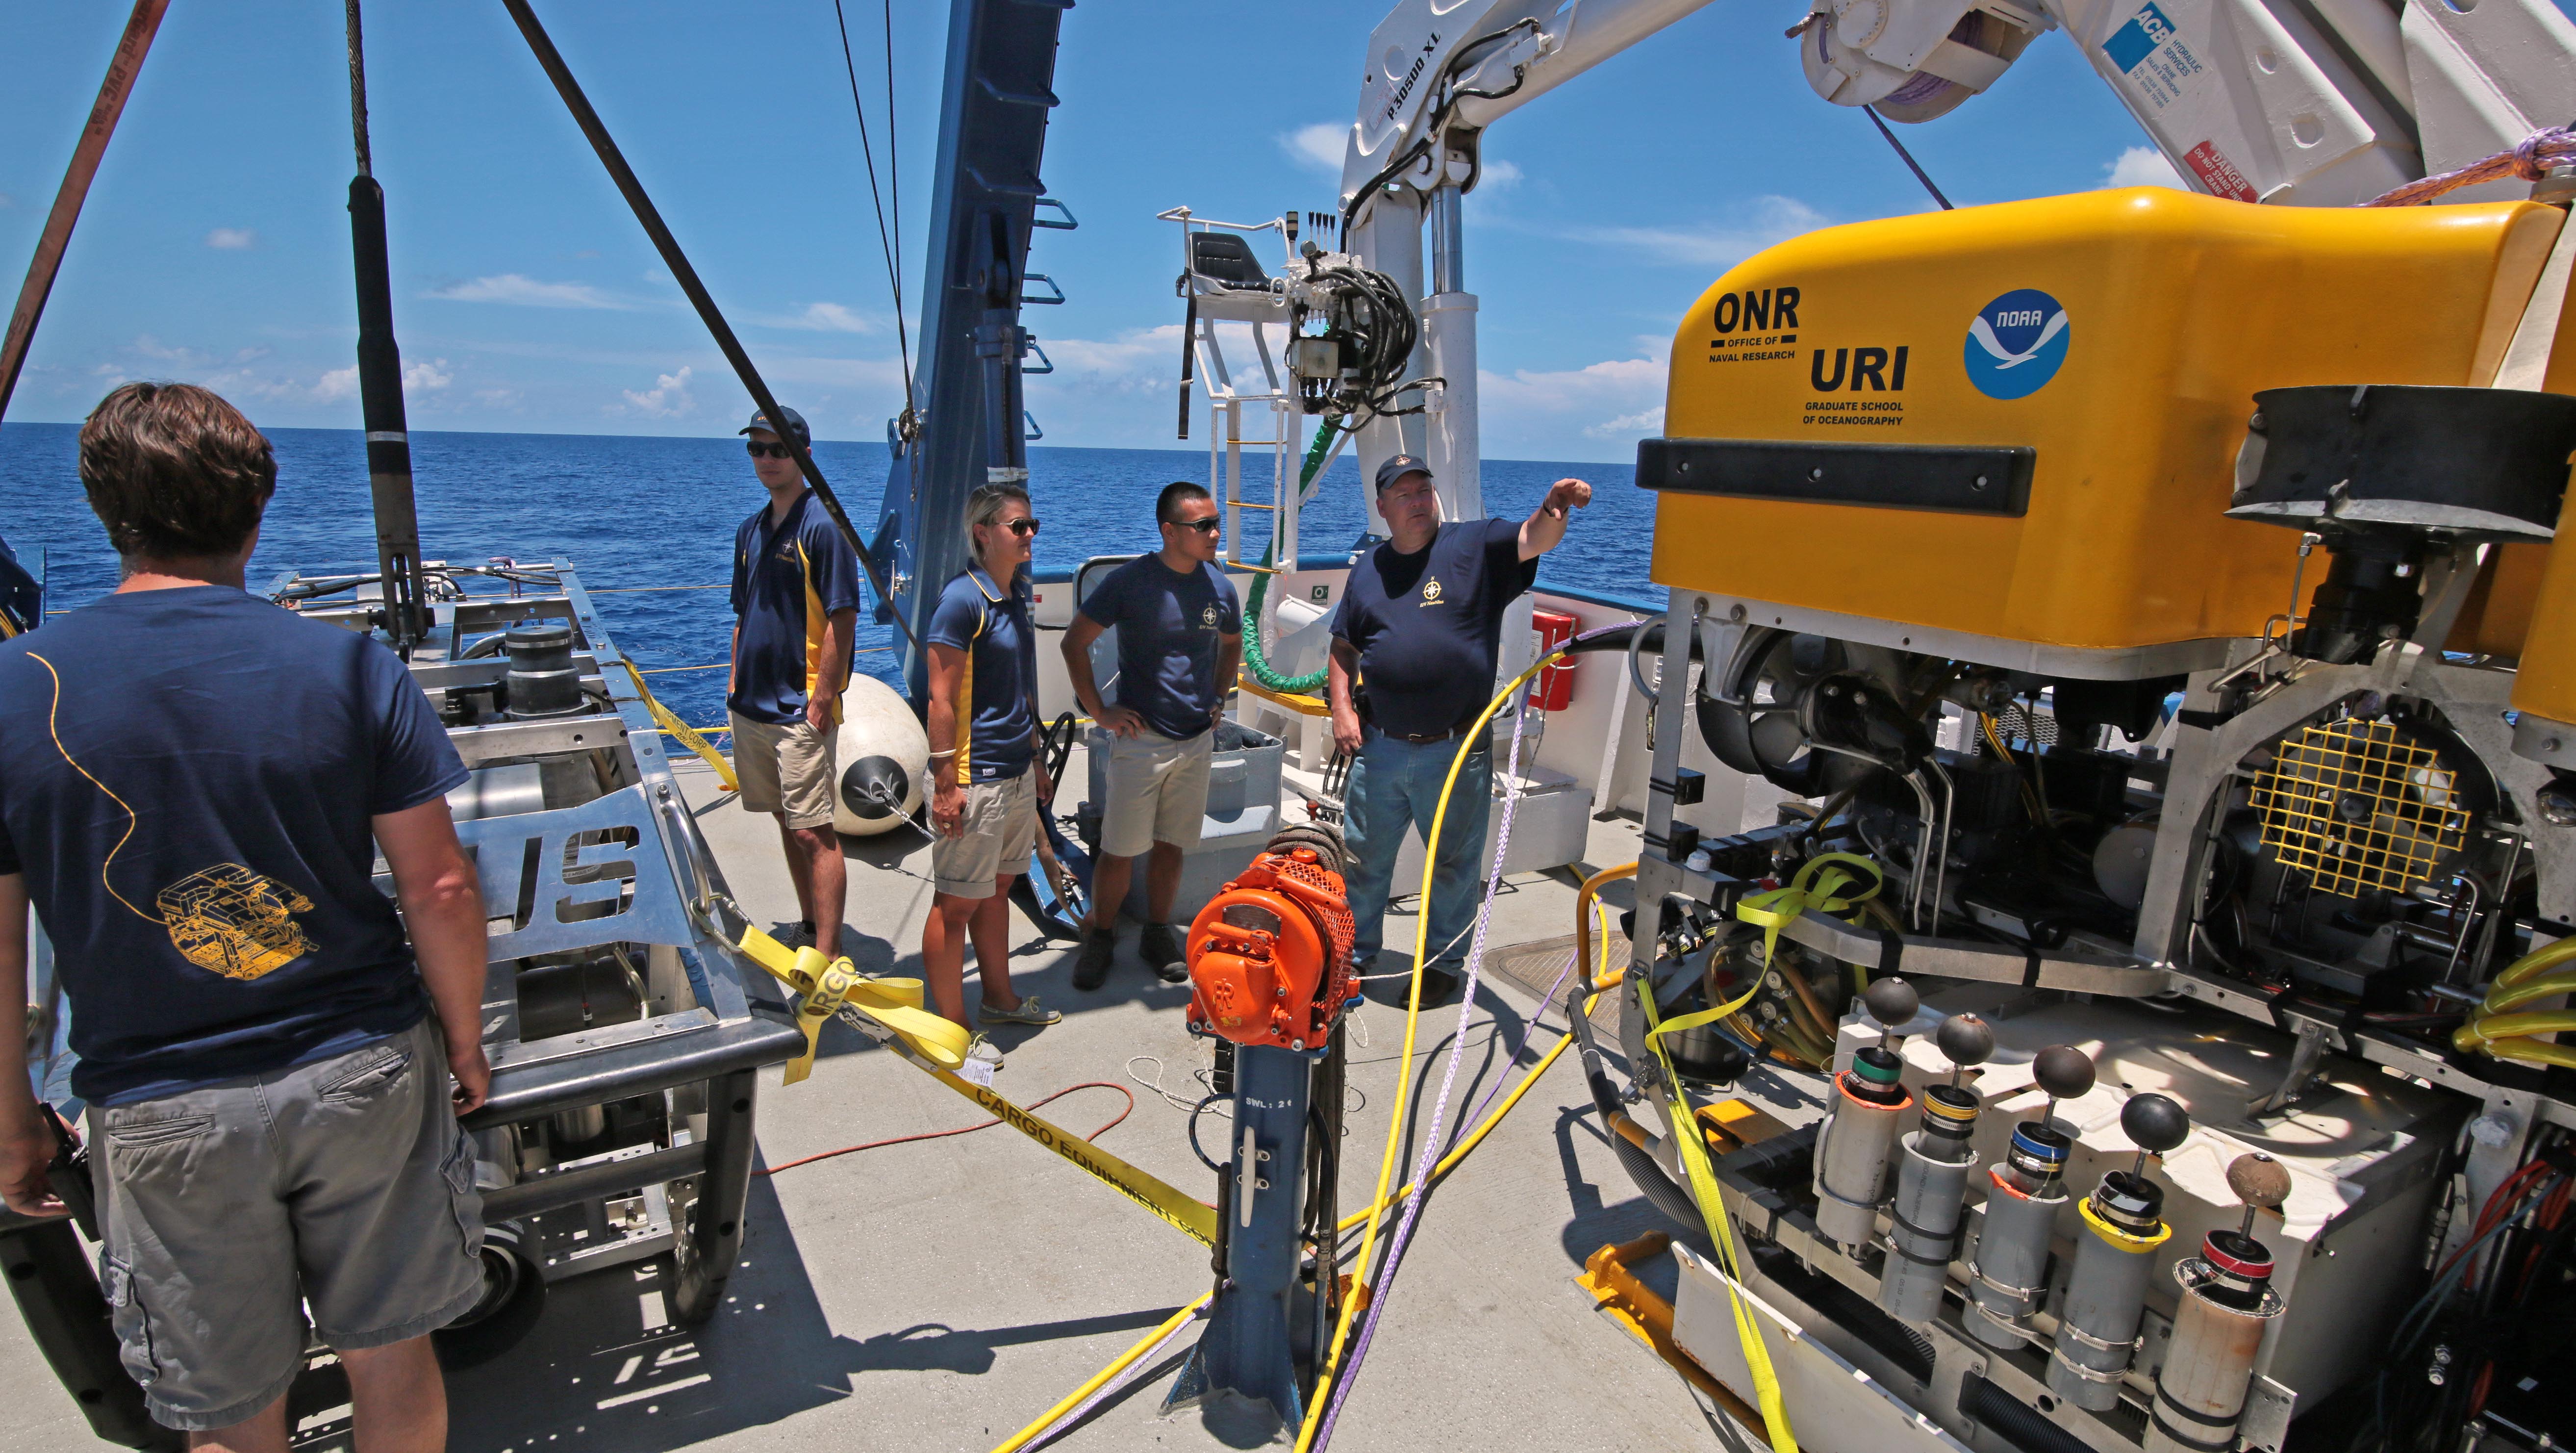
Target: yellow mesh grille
x,y
2360,806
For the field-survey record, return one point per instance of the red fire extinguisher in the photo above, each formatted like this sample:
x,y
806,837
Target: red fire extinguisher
x,y
1555,684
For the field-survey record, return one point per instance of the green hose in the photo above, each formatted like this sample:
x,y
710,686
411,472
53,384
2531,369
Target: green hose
x,y
1254,660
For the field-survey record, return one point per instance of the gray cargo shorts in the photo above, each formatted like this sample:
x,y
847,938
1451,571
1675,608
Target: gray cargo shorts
x,y
344,1186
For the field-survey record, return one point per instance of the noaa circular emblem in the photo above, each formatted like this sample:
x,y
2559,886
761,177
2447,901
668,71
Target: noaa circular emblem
x,y
1207,617
2016,344
1431,591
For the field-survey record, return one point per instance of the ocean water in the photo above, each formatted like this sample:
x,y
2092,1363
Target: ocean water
x,y
637,512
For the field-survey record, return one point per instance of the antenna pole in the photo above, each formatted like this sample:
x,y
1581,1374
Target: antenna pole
x,y
380,394
121,71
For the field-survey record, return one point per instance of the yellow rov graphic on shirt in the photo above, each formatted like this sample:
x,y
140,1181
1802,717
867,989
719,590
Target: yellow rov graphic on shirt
x,y
227,919
231,921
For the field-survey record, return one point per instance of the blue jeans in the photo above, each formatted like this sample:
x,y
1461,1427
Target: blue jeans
x,y
1395,785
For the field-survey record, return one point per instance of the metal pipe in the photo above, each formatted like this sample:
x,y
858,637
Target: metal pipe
x,y
687,277
50,244
554,1190
380,393
1447,223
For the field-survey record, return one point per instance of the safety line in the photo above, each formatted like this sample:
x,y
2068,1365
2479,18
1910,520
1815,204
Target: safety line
x,y
1114,1123
678,728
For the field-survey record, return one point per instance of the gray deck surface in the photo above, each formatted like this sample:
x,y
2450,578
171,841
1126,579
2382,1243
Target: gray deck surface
x,y
937,1295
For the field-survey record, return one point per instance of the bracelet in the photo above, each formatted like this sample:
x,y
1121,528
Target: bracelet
x,y
936,756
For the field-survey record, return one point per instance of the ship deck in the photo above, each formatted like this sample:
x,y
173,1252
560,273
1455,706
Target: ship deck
x,y
944,1292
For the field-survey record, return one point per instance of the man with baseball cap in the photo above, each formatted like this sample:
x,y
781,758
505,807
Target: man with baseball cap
x,y
1415,646
796,609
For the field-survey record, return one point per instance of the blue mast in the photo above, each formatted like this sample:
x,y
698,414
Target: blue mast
x,y
970,424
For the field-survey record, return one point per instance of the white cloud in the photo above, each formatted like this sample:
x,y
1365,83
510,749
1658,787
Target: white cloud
x,y
668,398
1498,176
1137,360
498,398
1771,220
1618,398
339,383
423,377
823,318
1318,147
231,239
526,292
2143,166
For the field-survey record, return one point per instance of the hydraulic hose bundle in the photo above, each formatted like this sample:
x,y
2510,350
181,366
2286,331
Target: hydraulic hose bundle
x,y
2494,1029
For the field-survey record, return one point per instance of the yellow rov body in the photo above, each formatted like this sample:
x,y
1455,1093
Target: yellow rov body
x,y
2008,434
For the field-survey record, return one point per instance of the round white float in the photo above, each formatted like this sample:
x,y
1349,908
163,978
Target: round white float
x,y
880,743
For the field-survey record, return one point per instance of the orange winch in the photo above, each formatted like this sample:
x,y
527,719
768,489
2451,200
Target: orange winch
x,y
1270,954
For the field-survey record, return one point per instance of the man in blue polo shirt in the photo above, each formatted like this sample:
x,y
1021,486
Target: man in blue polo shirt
x,y
796,604
1415,646
1180,637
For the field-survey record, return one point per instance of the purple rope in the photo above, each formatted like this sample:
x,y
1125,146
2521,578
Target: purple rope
x,y
2530,159
1431,1148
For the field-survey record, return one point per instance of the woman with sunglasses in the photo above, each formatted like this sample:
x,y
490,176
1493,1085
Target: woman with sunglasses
x,y
987,780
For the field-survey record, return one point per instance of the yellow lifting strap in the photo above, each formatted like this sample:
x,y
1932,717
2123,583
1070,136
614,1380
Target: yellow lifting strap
x,y
1712,1210
687,734
825,988
1819,885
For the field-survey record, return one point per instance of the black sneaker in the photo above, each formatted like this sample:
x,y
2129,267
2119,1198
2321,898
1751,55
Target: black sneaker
x,y
1160,947
1092,968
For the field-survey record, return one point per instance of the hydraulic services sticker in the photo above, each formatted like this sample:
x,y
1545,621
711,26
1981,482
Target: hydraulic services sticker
x,y
2016,344
2150,51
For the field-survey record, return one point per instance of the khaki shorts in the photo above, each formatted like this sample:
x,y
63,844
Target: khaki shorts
x,y
787,769
1157,790
1001,822
345,1186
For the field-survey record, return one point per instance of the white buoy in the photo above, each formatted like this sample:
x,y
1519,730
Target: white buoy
x,y
882,753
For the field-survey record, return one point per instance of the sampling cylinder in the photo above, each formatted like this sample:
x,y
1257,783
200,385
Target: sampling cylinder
x,y
2097,1324
2023,1196
1932,1172
1852,1148
2227,1303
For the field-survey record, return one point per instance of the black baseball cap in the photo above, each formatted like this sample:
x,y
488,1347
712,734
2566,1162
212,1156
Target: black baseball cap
x,y
1397,468
795,425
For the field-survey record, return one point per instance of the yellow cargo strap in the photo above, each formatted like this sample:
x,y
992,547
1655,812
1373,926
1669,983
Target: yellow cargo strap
x,y
687,734
825,988
1712,1210
1183,1211
1819,886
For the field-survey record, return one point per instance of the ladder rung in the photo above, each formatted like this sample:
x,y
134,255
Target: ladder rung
x,y
1269,442
1245,504
1248,565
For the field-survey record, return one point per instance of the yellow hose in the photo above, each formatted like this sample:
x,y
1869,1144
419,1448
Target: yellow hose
x,y
1329,1364
2529,991
2489,1030
1457,1153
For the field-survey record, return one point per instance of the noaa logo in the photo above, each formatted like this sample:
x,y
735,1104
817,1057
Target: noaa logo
x,y
1431,592
1207,617
2016,344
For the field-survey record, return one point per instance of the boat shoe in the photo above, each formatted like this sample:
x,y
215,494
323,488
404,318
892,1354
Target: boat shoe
x,y
1030,1011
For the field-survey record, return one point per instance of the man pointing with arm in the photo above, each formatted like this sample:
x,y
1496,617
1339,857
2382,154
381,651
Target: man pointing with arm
x,y
1415,645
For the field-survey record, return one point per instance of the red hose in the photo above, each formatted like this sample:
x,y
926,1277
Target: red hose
x,y
968,1129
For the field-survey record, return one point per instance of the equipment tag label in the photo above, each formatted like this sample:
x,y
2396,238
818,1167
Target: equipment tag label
x,y
2150,51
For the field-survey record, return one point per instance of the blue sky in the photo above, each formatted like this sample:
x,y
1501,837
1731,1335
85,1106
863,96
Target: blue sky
x,y
215,245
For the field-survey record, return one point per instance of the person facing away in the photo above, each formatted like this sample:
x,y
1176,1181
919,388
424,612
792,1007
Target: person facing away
x,y
796,620
1180,638
194,785
1415,645
987,782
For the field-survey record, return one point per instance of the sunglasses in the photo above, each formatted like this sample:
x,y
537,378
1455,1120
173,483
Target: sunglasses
x,y
759,450
1207,526
1023,527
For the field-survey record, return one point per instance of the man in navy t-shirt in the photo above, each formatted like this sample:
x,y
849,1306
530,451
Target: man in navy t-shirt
x,y
194,785
796,613
1180,637
1415,645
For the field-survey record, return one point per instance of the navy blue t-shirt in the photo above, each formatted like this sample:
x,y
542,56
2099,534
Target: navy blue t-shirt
x,y
186,779
1428,626
1168,623
786,581
995,720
